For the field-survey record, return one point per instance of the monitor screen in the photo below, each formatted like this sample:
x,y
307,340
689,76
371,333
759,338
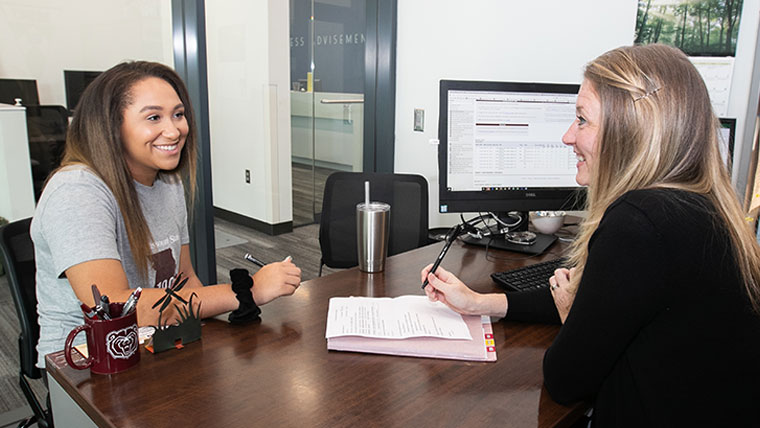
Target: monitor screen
x,y
76,82
500,147
26,89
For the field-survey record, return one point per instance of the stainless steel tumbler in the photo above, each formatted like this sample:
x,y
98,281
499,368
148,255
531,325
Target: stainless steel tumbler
x,y
372,232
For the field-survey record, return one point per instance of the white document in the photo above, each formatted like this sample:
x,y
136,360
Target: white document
x,y
393,318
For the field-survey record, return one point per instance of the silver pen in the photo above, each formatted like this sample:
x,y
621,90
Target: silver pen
x,y
253,260
131,302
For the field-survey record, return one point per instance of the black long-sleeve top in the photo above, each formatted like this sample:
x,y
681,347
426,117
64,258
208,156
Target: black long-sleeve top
x,y
661,332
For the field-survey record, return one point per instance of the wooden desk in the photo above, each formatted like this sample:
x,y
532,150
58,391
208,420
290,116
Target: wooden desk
x,y
279,373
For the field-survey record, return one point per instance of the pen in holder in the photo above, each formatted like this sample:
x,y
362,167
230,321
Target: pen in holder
x,y
112,344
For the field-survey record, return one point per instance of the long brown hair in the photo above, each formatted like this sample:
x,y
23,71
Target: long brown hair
x,y
94,139
658,130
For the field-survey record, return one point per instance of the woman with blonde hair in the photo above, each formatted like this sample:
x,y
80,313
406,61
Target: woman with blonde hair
x,y
661,310
114,213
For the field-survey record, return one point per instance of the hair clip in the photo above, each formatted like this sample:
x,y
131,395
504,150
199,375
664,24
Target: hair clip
x,y
641,97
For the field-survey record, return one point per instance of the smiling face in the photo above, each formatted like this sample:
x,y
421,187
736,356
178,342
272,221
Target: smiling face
x,y
154,129
583,132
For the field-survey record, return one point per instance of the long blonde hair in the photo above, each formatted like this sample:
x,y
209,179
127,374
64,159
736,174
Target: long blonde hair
x,y
658,130
94,139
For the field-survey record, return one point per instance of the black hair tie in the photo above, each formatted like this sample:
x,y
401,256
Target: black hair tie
x,y
248,311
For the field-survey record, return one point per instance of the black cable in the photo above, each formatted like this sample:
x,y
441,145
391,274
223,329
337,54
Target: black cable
x,y
485,223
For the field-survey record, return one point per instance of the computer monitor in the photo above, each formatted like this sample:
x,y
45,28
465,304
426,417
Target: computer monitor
x,y
727,132
500,148
75,82
26,89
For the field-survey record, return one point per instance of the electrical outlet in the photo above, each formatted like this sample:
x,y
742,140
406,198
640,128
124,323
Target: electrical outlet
x,y
248,176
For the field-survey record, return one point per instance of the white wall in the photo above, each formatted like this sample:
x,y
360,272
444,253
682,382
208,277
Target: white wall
x,y
41,38
249,107
524,41
542,41
248,51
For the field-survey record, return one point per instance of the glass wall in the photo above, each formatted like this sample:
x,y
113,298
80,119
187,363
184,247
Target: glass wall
x,y
327,63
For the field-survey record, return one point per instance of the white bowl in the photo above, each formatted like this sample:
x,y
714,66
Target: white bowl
x,y
547,222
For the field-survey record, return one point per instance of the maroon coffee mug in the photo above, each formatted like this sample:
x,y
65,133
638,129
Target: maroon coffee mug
x,y
112,345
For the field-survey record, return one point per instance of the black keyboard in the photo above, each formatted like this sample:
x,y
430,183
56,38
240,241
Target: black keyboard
x,y
530,277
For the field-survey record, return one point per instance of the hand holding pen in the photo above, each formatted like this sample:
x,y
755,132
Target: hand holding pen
x,y
254,260
275,279
450,238
258,262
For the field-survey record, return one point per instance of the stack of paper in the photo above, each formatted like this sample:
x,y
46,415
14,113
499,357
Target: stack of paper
x,y
407,325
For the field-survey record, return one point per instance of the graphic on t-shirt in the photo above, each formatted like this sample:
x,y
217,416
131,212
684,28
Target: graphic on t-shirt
x,y
165,266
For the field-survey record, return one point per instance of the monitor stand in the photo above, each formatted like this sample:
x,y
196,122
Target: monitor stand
x,y
542,243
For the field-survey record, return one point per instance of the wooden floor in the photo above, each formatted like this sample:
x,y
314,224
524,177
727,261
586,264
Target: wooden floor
x,y
304,189
302,245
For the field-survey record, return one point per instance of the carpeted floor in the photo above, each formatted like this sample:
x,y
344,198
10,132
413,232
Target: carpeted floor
x,y
11,397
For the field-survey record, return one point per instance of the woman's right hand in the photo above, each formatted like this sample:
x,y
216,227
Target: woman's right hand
x,y
560,288
444,287
275,280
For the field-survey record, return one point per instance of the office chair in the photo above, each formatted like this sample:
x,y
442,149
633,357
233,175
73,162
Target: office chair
x,y
46,126
407,195
17,253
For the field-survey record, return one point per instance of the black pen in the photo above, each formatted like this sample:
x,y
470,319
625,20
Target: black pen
x,y
106,305
254,260
102,314
450,238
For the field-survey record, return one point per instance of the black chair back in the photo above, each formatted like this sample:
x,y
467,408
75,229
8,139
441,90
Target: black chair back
x,y
47,126
50,121
17,252
407,195
18,258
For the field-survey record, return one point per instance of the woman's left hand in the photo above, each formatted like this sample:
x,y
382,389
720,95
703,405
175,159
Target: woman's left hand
x,y
560,288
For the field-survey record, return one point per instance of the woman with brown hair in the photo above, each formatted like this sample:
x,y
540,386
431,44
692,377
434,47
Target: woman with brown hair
x,y
114,213
661,310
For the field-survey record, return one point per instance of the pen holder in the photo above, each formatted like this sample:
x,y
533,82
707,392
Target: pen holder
x,y
372,233
112,345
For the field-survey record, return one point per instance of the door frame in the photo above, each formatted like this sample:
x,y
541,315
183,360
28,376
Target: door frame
x,y
380,86
189,40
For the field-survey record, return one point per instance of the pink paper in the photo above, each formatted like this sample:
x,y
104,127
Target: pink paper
x,y
480,348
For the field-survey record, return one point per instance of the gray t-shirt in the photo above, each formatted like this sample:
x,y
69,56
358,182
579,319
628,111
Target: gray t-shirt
x,y
77,220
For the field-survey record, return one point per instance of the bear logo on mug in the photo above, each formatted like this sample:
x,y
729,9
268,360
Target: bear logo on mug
x,y
122,344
